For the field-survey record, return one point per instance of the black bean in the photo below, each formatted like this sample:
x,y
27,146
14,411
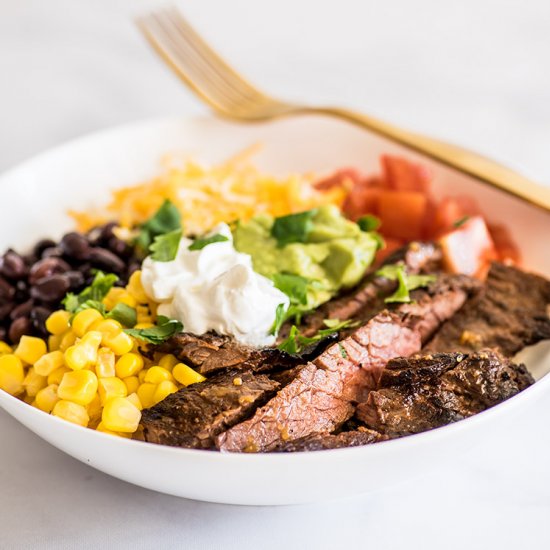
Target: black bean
x,y
20,326
76,278
105,259
39,314
7,291
12,265
40,246
133,266
51,289
54,251
119,247
22,310
3,334
107,232
47,267
75,245
21,291
5,311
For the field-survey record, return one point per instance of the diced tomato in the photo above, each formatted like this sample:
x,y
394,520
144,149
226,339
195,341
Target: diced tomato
x,y
468,249
403,175
339,178
361,200
402,214
451,210
507,250
391,246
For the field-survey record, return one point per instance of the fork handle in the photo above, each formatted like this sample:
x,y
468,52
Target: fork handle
x,y
468,162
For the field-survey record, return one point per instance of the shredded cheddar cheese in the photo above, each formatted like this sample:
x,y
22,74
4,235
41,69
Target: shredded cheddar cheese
x,y
233,190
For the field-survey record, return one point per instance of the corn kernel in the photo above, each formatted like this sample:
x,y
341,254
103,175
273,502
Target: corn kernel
x,y
33,382
30,349
120,415
105,364
101,428
5,348
129,365
113,297
120,343
12,374
106,326
156,375
58,322
134,399
29,399
186,375
168,362
46,398
141,375
84,319
83,354
164,389
128,299
57,375
49,362
144,325
146,394
132,384
135,287
94,408
67,340
72,412
54,341
79,386
111,387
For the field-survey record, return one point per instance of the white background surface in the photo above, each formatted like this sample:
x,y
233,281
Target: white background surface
x,y
474,72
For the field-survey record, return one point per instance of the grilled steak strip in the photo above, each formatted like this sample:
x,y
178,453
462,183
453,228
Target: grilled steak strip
x,y
369,295
421,393
321,442
509,314
322,395
194,415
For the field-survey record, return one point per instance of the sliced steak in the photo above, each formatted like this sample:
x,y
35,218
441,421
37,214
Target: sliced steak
x,y
421,393
194,415
322,396
368,297
321,442
509,314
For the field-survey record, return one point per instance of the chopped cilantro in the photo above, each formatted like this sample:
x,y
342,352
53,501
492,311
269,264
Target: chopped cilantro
x,y
280,318
406,282
124,314
164,329
200,243
294,286
461,221
91,295
368,223
343,351
166,219
293,228
165,247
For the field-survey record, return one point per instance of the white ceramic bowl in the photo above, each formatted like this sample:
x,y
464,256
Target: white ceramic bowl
x,y
81,173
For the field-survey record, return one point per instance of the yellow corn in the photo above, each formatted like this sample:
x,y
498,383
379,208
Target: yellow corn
x,y
95,408
30,349
120,415
128,365
79,386
12,374
168,362
105,364
67,340
101,428
146,393
111,387
141,375
132,384
106,326
72,412
135,288
57,375
112,297
134,399
54,341
83,354
119,342
156,375
46,398
49,362
58,322
163,390
5,348
29,399
84,319
33,382
186,375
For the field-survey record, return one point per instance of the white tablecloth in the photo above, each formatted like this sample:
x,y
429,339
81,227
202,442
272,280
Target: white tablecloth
x,y
475,72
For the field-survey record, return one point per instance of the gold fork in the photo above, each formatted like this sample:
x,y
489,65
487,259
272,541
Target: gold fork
x,y
231,96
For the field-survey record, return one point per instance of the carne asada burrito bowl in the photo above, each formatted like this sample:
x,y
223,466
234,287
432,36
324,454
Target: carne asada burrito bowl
x,y
323,314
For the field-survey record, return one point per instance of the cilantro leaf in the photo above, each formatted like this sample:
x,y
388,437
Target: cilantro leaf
x,y
124,314
368,223
460,222
343,351
294,286
406,282
200,243
99,288
290,344
280,318
164,329
166,219
293,228
165,247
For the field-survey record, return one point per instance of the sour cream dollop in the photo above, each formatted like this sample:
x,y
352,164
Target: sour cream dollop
x,y
216,289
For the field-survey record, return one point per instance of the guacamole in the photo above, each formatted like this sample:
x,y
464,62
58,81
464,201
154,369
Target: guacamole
x,y
311,255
